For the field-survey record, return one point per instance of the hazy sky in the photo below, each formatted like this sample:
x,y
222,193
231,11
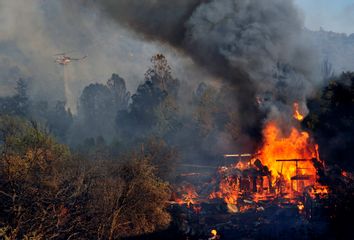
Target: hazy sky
x,y
332,15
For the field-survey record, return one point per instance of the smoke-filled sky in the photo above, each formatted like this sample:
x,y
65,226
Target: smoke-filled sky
x,y
256,49
331,15
227,37
33,31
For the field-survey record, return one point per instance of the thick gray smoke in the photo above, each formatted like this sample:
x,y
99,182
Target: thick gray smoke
x,y
257,46
157,19
254,47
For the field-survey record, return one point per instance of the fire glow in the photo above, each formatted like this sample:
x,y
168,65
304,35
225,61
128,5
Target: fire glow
x,y
297,115
283,167
287,159
283,155
189,196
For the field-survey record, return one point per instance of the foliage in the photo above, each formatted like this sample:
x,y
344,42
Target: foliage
x,y
206,108
130,200
98,107
158,153
47,193
331,119
19,103
153,110
160,75
34,175
59,121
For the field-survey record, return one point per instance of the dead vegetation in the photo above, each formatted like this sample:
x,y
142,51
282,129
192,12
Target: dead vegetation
x,y
47,193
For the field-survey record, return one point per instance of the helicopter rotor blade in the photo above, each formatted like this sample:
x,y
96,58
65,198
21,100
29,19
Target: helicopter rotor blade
x,y
64,53
78,59
59,54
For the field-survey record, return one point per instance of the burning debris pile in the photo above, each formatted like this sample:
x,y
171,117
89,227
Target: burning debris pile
x,y
282,174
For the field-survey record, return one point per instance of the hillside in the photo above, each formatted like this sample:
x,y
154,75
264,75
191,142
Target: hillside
x,y
337,48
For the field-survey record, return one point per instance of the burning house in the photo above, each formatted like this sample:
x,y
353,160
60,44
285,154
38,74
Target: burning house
x,y
280,174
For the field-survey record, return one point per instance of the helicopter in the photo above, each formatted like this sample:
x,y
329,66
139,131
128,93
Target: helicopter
x,y
64,59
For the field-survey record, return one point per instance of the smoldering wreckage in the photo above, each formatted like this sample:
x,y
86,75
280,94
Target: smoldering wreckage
x,y
276,186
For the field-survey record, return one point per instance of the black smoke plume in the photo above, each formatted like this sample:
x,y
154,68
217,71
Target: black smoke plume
x,y
256,47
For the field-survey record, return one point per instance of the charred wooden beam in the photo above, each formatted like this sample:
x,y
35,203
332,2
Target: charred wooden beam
x,y
238,155
294,160
302,177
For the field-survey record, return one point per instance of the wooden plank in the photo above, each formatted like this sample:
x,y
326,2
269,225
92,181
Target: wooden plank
x,y
293,160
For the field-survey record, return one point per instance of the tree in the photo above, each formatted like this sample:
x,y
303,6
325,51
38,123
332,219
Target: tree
x,y
154,107
119,92
95,103
48,193
59,121
21,98
130,200
98,107
19,103
327,70
39,187
158,153
96,113
331,119
140,119
160,74
206,102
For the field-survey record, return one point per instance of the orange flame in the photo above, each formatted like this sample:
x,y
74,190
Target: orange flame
x,y
228,190
297,145
297,115
214,233
289,160
319,191
188,196
300,207
288,170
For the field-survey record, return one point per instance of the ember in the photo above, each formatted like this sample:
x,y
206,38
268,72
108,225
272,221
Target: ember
x,y
187,194
297,115
300,206
214,235
318,190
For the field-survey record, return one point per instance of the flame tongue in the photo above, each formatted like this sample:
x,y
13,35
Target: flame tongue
x,y
283,167
297,115
287,155
283,164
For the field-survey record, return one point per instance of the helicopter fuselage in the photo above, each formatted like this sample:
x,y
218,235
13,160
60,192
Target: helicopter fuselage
x,y
63,60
